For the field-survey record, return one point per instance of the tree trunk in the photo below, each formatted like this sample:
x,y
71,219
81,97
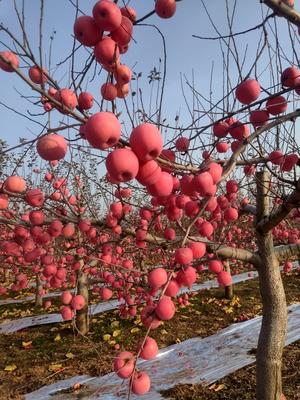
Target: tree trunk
x,y
228,289
5,278
82,316
229,292
274,321
38,289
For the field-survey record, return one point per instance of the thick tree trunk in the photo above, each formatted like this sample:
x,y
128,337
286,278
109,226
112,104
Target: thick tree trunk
x,y
82,316
38,289
274,321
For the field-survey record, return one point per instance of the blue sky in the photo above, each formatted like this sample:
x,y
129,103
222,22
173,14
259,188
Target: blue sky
x,y
185,54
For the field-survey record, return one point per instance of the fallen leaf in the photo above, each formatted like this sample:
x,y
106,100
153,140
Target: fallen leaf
x,y
57,338
77,386
219,387
55,367
10,368
135,330
184,317
27,345
116,333
70,355
106,337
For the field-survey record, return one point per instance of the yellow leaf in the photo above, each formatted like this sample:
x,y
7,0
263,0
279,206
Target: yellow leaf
x,y
70,355
55,367
77,386
23,314
115,324
112,342
219,387
106,337
116,333
57,338
164,332
135,330
27,345
10,368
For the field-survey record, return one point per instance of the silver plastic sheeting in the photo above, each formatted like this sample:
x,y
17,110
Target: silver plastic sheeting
x,y
22,323
28,298
245,276
27,322
192,361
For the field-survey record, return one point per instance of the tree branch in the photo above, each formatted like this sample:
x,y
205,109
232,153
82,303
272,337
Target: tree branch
x,y
237,254
269,222
283,10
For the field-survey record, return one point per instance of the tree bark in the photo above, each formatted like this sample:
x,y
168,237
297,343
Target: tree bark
x,y
38,288
274,321
229,292
228,289
6,275
283,10
82,316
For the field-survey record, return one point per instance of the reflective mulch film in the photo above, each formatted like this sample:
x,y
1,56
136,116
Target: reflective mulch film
x,y
192,361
